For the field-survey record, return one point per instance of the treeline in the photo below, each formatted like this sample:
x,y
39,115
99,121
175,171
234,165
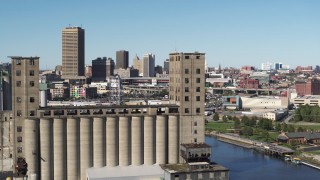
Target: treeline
x,y
307,113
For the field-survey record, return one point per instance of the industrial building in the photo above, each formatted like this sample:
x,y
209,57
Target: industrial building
x,y
62,142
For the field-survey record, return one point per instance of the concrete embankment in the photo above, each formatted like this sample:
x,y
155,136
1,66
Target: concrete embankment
x,y
233,139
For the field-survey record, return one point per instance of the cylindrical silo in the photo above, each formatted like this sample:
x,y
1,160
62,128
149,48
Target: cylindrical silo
x,y
99,142
136,141
59,149
73,149
173,138
46,154
112,141
161,140
31,146
86,146
149,140
124,141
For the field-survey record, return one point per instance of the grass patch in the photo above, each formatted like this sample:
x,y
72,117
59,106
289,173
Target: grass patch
x,y
311,127
219,126
314,152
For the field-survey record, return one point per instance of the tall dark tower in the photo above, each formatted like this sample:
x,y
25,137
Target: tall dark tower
x,y
122,59
72,52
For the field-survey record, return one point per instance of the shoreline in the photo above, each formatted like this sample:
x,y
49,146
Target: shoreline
x,y
247,143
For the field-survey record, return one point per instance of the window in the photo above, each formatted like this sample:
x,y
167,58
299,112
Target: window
x,y
198,110
195,123
18,83
198,80
186,71
18,72
186,80
31,72
19,139
19,128
186,110
198,71
18,99
195,132
186,89
18,62
195,140
31,83
197,57
31,99
198,98
186,98
198,89
186,57
31,113
19,113
31,62
19,149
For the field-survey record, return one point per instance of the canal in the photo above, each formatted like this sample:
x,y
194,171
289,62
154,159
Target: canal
x,y
246,164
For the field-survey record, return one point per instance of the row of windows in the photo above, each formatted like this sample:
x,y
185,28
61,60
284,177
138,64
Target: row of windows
x,y
186,80
19,99
186,110
31,62
31,83
18,72
186,98
186,71
186,89
31,113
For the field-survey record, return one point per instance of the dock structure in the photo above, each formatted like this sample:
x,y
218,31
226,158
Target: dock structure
x,y
275,150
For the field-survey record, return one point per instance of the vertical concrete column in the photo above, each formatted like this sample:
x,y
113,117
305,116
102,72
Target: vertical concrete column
x,y
46,143
112,141
59,149
30,148
136,141
161,140
85,146
73,149
173,138
99,142
124,141
149,140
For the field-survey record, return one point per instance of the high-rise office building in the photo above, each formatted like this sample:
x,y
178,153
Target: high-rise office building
x,y
25,102
102,68
72,52
166,66
277,66
186,89
122,59
148,64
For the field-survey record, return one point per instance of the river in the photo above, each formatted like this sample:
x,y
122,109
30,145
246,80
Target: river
x,y
247,164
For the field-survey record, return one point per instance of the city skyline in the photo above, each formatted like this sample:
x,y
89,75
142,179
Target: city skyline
x,y
231,33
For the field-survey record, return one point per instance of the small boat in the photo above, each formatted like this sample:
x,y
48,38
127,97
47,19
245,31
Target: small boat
x,y
296,160
287,157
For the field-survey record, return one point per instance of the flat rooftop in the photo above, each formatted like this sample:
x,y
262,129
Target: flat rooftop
x,y
185,167
149,172
193,145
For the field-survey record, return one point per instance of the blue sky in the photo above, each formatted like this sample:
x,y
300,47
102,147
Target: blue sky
x,y
230,32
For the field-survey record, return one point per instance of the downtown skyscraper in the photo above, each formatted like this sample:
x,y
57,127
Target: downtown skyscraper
x,y
72,52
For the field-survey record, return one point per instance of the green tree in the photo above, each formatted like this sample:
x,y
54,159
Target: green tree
x,y
237,124
216,117
300,129
278,127
284,127
291,128
245,120
225,118
247,131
